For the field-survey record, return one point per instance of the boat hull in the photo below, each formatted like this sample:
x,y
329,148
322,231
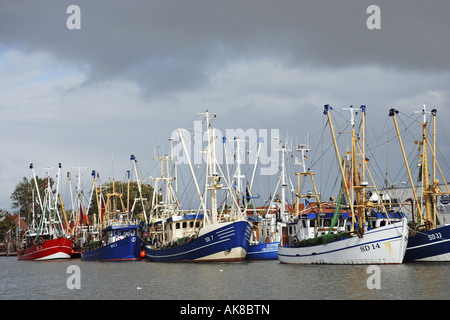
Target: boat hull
x,y
127,249
383,245
431,245
60,248
225,242
263,251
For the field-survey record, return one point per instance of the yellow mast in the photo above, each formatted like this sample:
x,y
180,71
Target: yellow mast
x,y
435,189
64,214
425,172
363,164
355,180
392,113
357,183
356,176
299,190
435,182
326,111
112,207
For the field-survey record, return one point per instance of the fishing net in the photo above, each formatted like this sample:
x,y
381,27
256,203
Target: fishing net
x,y
323,240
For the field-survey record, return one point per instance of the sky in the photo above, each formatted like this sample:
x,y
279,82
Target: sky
x,y
136,71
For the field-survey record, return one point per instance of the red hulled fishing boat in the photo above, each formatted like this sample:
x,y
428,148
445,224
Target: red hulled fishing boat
x,y
45,239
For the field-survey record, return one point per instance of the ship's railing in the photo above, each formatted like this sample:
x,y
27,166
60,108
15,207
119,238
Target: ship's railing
x,y
119,221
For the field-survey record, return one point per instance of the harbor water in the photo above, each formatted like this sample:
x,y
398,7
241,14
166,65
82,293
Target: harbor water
x,y
248,280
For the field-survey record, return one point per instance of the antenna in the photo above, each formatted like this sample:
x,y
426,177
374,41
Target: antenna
x,y
352,119
424,112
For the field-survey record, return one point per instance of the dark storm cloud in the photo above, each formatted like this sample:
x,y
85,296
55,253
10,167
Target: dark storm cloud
x,y
137,70
175,45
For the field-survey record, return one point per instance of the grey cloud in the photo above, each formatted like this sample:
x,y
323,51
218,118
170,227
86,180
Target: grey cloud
x,y
182,56
173,45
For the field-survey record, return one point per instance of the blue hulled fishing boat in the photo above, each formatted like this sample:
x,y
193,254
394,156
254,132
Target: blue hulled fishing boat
x,y
429,238
120,241
193,236
220,242
429,245
263,251
118,236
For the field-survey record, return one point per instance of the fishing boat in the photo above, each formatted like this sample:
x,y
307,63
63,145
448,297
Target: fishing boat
x,y
267,228
196,236
46,240
263,251
219,242
120,242
77,221
366,234
429,240
119,236
265,238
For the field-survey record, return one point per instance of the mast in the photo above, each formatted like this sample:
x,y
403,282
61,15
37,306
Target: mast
x,y
59,221
90,200
238,175
347,190
392,113
283,215
51,202
435,182
425,173
74,217
303,148
363,141
175,167
99,202
202,202
133,159
213,179
128,192
357,175
260,141
37,189
363,183
283,185
33,221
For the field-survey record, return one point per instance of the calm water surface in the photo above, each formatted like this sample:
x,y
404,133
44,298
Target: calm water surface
x,y
253,280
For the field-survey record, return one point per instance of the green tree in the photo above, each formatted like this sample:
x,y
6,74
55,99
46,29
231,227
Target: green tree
x,y
25,196
6,222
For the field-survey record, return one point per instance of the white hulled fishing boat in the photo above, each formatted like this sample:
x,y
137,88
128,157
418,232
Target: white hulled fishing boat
x,y
367,234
